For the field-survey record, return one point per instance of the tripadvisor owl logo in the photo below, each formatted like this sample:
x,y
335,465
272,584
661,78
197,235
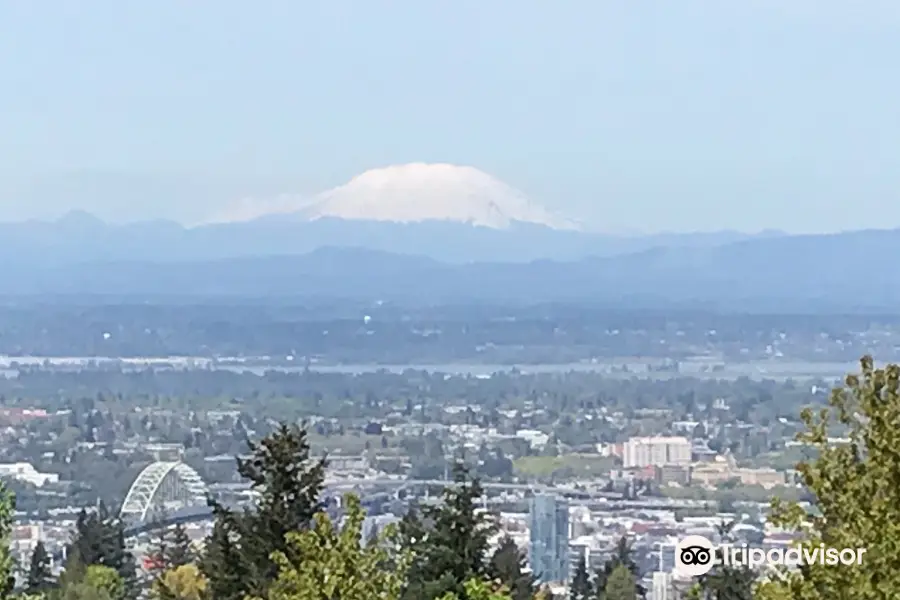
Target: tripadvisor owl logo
x,y
695,555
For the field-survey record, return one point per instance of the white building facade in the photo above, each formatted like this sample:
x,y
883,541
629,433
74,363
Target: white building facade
x,y
656,451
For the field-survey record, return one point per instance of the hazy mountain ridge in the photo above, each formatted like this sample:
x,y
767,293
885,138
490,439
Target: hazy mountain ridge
x,y
452,213
801,273
79,237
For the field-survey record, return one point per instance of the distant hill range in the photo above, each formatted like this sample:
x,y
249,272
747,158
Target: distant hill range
x,y
451,262
80,237
447,212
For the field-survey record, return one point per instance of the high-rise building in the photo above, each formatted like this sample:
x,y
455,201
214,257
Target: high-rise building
x,y
662,586
656,451
665,554
548,552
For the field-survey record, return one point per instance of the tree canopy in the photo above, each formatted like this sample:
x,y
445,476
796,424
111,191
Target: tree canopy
x,y
238,558
328,562
857,492
449,541
99,540
509,566
182,582
38,578
620,585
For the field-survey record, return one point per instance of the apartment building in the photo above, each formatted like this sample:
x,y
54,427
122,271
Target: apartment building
x,y
656,451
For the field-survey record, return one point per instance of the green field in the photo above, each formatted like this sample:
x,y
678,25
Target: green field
x,y
567,466
741,493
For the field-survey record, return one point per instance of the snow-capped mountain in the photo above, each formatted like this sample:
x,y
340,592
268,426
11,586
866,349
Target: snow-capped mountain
x,y
411,193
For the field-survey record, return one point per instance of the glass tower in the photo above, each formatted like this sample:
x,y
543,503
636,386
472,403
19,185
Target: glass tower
x,y
548,552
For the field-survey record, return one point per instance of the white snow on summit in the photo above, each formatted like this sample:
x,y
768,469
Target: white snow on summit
x,y
410,193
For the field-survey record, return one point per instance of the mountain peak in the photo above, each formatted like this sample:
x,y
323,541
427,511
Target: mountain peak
x,y
411,193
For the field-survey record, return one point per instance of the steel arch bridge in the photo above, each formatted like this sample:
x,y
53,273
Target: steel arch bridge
x,y
162,486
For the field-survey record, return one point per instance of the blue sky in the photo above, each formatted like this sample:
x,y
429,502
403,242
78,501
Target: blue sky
x,y
647,116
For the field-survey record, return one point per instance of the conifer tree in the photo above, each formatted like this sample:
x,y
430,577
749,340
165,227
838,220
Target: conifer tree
x,y
449,541
173,550
124,563
99,539
158,551
622,555
508,565
621,584
223,556
72,574
39,578
179,551
581,588
288,483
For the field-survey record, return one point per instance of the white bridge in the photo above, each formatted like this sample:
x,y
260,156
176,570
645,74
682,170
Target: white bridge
x,y
161,488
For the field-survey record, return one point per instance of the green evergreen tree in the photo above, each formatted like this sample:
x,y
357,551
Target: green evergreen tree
x,y
83,549
223,553
508,565
99,539
72,575
622,556
449,541
179,551
621,584
122,561
158,550
238,558
39,578
581,588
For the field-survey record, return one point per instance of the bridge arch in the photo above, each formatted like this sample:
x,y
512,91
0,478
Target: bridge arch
x,y
159,485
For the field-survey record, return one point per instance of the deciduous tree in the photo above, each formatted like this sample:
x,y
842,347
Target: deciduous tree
x,y
857,492
328,562
478,589
106,580
93,582
184,582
